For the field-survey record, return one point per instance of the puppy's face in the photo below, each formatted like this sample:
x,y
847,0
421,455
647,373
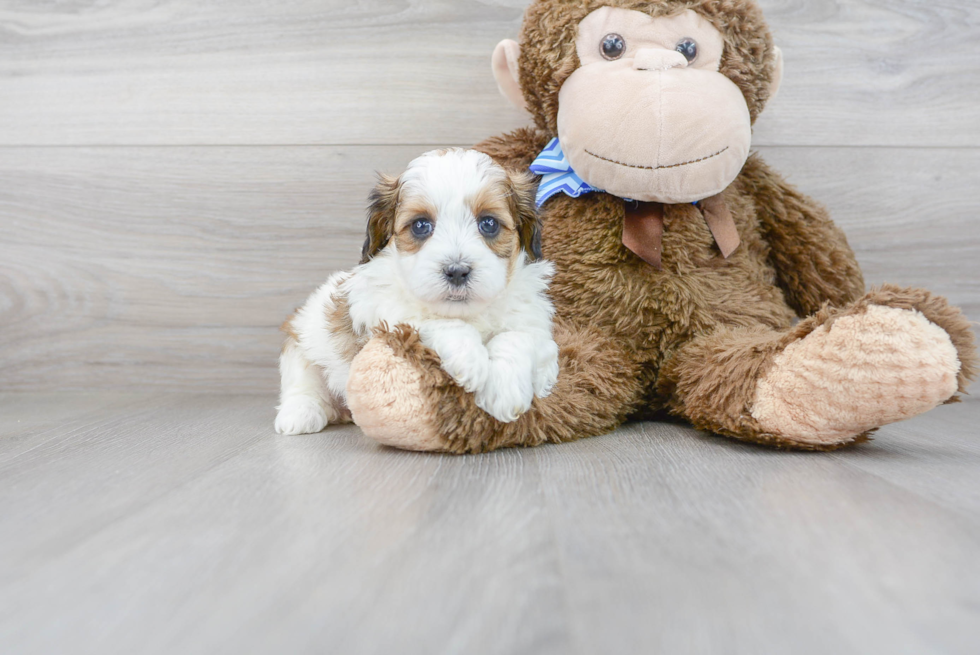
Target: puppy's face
x,y
457,225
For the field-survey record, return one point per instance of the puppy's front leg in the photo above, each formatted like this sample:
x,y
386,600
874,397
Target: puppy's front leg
x,y
545,365
460,349
510,386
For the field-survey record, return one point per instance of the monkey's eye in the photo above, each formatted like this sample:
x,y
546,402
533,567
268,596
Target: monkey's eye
x,y
688,48
421,228
613,46
489,226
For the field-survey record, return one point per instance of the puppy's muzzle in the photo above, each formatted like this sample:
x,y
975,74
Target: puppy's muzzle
x,y
457,275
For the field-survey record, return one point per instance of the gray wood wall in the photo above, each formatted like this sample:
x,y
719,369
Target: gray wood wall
x,y
176,176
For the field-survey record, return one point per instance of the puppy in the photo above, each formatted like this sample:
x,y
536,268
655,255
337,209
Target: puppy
x,y
453,250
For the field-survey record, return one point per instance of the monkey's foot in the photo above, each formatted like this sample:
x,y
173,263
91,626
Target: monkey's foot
x,y
872,365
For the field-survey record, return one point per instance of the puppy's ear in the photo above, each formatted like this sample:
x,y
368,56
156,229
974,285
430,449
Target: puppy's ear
x,y
381,216
524,189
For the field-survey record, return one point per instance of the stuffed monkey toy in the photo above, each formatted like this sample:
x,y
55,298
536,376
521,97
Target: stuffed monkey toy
x,y
691,279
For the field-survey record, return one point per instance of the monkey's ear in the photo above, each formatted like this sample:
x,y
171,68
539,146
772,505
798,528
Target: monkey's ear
x,y
777,74
381,216
505,71
525,211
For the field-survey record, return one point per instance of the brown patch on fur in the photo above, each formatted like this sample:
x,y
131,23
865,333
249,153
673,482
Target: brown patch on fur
x,y
381,216
288,329
512,201
408,211
412,208
291,335
494,200
407,243
523,207
548,54
505,245
341,325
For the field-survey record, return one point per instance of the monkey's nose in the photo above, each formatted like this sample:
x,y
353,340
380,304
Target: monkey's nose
x,y
658,59
457,274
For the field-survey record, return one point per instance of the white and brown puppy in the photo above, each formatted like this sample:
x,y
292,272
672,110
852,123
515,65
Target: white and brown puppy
x,y
450,251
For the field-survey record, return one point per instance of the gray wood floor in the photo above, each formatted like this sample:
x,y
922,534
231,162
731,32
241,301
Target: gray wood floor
x,y
182,524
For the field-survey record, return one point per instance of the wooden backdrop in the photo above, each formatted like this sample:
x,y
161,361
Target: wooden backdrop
x,y
177,175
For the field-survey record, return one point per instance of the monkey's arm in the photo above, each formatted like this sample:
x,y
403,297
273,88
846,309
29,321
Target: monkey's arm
x,y
813,262
400,396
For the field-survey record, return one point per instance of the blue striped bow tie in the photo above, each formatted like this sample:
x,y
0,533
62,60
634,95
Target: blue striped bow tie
x,y
557,175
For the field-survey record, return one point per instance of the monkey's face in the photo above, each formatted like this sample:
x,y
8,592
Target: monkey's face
x,y
647,115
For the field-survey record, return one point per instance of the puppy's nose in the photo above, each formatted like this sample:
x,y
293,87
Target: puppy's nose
x,y
457,274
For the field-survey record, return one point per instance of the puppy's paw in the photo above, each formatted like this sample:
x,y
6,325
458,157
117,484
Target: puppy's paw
x,y
302,415
546,368
461,351
470,371
507,397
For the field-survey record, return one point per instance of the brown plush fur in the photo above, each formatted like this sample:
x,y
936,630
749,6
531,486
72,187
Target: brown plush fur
x,y
712,380
810,254
696,337
596,386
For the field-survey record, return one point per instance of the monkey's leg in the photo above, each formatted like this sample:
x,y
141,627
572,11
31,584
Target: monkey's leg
x,y
400,396
830,380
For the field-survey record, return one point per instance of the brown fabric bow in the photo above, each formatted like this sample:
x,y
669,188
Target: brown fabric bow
x,y
643,229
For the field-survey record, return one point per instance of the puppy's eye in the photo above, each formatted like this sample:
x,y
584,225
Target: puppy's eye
x,y
688,48
421,228
613,46
489,226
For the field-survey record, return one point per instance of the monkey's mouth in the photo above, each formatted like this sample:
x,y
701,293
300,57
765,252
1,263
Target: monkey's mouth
x,y
657,168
